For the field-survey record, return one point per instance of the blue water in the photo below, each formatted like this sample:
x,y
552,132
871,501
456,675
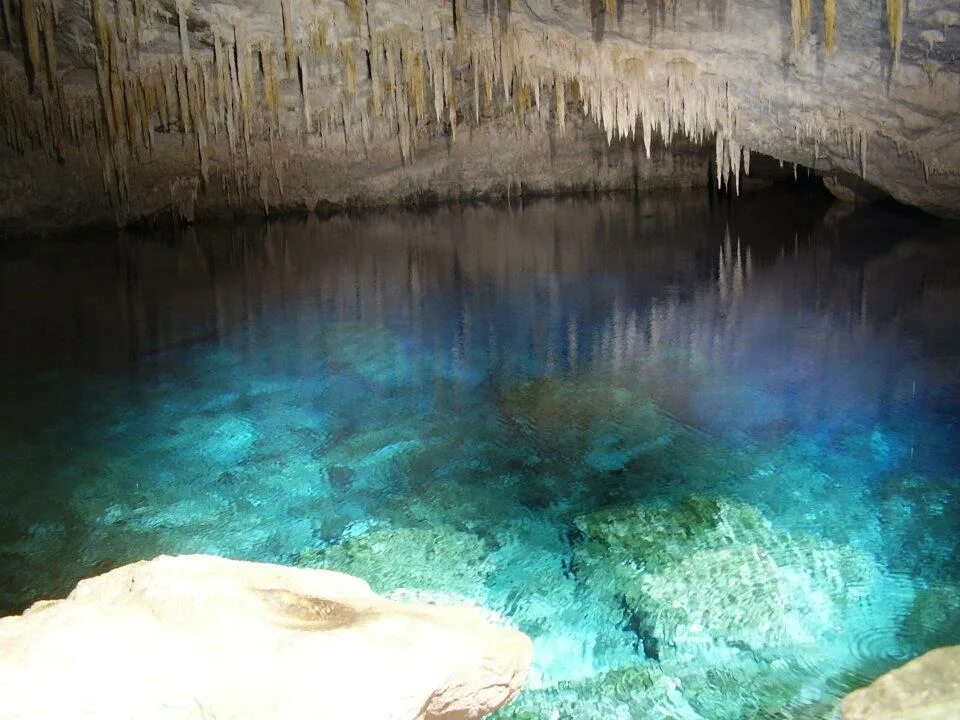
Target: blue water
x,y
706,456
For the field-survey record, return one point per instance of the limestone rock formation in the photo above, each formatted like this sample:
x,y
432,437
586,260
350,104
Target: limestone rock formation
x,y
117,109
927,688
199,636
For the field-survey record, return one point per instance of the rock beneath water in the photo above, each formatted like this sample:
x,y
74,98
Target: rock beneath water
x,y
927,688
199,636
708,572
439,559
933,619
641,691
603,426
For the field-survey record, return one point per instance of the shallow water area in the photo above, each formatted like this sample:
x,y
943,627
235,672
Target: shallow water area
x,y
706,455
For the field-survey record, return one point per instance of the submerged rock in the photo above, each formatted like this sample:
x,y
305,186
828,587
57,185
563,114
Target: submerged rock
x,y
926,688
370,352
440,559
201,636
933,619
627,693
711,572
603,426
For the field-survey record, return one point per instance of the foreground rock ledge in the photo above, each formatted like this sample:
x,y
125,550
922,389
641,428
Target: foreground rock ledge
x,y
927,688
204,637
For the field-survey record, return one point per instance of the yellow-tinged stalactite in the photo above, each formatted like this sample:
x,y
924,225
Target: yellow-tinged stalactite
x,y
288,52
805,11
356,12
49,43
523,98
30,20
101,21
270,88
895,10
796,22
349,67
318,34
830,24
116,89
610,7
418,85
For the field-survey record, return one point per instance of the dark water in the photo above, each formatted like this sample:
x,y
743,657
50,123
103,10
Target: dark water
x,y
706,458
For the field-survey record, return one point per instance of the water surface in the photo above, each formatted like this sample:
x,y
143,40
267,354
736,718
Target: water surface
x,y
706,456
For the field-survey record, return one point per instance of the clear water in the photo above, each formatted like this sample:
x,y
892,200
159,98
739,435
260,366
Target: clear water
x,y
707,457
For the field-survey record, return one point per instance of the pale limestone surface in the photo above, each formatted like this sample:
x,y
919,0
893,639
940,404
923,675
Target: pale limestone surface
x,y
204,637
926,688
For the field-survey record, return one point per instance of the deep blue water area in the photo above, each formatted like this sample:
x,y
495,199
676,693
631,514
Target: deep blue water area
x,y
706,455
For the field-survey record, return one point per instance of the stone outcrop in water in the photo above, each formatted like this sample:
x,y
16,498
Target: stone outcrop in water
x,y
926,688
200,636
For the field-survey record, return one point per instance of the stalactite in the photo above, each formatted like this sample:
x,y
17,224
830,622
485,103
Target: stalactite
x,y
304,95
718,161
610,7
244,70
183,99
356,12
220,75
233,100
8,21
419,86
829,24
400,105
476,88
271,86
288,39
561,104
796,22
863,154
349,67
184,35
895,11
200,131
49,43
450,99
30,20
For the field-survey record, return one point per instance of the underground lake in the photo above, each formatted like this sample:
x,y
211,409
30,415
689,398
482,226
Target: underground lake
x,y
703,452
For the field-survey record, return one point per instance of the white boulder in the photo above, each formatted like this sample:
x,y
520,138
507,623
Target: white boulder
x,y
203,637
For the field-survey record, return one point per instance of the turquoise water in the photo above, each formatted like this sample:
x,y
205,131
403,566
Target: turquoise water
x,y
706,456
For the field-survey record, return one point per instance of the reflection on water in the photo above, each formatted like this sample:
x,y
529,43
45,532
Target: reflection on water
x,y
706,457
